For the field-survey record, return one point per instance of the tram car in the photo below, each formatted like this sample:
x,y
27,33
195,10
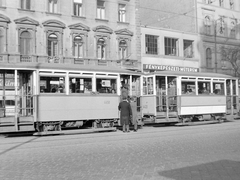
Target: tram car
x,y
183,97
42,98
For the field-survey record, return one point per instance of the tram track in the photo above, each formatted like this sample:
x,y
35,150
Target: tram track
x,y
90,139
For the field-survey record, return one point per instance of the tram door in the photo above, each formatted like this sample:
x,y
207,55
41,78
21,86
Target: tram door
x,y
166,93
16,100
232,97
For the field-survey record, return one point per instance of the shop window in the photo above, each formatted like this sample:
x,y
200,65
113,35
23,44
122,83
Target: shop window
x,y
77,8
52,45
151,44
26,4
106,85
80,85
78,46
100,9
52,84
53,6
204,88
171,46
122,12
188,88
218,88
188,48
25,43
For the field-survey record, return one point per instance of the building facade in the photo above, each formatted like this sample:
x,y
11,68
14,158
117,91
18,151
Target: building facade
x,y
85,32
218,27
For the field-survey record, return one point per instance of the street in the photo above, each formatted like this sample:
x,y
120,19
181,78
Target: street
x,y
166,153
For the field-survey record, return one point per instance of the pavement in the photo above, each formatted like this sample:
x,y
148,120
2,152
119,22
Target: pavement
x,y
205,152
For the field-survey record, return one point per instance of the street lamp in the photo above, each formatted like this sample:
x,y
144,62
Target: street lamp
x,y
215,39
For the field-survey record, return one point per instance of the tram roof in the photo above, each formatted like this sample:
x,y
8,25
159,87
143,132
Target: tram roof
x,y
191,74
67,67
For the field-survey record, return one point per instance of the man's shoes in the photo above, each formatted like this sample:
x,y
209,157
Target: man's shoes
x,y
135,130
128,131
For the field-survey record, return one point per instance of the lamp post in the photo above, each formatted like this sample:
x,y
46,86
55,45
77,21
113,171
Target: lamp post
x,y
215,41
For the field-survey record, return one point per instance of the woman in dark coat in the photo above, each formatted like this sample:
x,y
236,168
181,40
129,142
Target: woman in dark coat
x,y
125,114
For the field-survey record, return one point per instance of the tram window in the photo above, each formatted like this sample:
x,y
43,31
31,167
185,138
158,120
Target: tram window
x,y
80,85
148,85
188,88
52,84
204,88
106,85
218,88
228,87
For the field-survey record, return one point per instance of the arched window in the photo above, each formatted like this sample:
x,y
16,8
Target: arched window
x,y
25,43
207,24
209,58
123,49
101,48
52,45
78,46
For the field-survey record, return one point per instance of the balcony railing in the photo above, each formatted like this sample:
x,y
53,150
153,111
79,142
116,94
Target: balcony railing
x,y
25,58
53,59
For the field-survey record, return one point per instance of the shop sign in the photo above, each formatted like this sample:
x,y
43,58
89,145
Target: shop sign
x,y
156,67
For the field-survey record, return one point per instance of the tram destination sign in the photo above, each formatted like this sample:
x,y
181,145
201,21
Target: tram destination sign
x,y
156,67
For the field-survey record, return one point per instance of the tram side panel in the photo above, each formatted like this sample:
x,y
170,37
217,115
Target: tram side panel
x,y
148,105
64,108
202,105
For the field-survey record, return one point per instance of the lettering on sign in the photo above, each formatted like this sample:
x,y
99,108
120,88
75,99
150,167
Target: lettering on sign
x,y
168,68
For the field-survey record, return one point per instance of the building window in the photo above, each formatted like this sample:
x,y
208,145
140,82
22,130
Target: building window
x,y
52,45
233,30
223,59
25,4
222,26
208,58
77,8
101,48
100,9
207,1
231,3
207,25
52,6
123,49
221,3
25,43
151,44
78,47
188,48
122,12
171,46
1,41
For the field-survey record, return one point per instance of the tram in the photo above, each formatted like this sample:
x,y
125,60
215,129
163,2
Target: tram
x,y
188,96
40,97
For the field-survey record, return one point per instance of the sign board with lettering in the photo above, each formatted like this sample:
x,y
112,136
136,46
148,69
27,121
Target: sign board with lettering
x,y
155,67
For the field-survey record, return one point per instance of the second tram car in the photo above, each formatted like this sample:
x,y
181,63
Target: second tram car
x,y
188,96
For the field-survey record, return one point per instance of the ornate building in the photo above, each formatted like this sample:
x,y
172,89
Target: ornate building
x,y
86,32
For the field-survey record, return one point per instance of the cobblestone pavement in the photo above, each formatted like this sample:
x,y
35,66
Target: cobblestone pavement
x,y
206,152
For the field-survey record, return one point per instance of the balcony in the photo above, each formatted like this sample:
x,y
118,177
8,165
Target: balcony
x,y
53,59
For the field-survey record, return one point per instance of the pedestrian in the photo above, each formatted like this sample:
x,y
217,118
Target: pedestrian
x,y
134,119
125,113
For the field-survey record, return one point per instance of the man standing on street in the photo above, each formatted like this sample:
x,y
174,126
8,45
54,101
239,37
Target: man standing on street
x,y
125,113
